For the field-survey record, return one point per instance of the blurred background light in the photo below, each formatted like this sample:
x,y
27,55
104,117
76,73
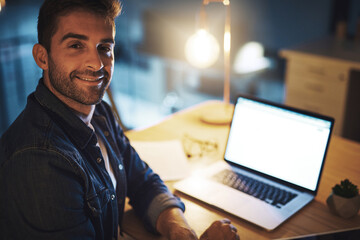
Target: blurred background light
x,y
250,58
202,49
2,4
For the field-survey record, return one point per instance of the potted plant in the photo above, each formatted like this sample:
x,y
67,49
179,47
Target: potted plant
x,y
344,199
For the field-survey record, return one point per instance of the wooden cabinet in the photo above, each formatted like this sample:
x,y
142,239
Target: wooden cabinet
x,y
323,77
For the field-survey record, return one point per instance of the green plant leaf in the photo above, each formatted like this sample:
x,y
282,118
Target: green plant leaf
x,y
346,189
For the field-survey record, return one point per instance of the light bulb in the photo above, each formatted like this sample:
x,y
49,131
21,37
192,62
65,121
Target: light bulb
x,y
202,49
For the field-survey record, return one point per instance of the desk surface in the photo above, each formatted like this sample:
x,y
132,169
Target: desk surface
x,y
343,161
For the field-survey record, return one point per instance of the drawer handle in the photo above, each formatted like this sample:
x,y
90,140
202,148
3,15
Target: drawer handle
x,y
315,70
314,87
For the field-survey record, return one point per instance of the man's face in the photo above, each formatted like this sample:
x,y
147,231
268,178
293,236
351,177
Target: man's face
x,y
81,57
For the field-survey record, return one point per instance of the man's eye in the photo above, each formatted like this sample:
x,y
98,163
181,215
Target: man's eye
x,y
105,48
75,46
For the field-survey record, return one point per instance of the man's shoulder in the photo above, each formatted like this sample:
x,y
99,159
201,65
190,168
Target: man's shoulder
x,y
32,130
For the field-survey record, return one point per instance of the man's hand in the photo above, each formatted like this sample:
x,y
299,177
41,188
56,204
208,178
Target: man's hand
x,y
220,230
173,225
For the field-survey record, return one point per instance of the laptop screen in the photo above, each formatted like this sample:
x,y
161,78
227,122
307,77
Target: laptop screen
x,y
279,141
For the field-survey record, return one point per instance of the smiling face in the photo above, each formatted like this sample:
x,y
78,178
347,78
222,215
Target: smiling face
x,y
80,62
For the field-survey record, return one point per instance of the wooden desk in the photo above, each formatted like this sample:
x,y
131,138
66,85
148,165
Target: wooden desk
x,y
343,161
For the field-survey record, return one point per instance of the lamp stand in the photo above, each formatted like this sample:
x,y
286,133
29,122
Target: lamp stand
x,y
219,114
223,114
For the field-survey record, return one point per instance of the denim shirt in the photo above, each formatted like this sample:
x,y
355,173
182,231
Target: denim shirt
x,y
53,181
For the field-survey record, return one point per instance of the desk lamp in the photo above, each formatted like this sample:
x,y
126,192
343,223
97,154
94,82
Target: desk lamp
x,y
202,50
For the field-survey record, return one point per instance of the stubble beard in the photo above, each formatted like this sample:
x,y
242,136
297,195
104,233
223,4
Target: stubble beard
x,y
66,85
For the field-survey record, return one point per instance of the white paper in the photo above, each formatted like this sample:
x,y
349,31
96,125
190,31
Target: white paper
x,y
166,158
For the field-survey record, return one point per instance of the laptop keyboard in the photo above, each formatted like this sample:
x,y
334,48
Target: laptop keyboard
x,y
263,191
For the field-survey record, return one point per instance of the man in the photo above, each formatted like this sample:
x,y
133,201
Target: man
x,y
66,166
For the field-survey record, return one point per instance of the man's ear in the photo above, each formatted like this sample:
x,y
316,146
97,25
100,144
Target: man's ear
x,y
41,56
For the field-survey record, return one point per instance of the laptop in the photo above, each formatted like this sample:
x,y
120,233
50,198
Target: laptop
x,y
272,163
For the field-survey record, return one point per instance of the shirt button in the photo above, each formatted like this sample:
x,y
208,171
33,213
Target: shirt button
x,y
112,197
99,160
106,133
121,167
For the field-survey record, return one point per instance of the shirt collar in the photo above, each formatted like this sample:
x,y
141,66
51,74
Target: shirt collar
x,y
60,113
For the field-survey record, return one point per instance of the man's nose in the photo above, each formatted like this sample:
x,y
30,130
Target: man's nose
x,y
94,61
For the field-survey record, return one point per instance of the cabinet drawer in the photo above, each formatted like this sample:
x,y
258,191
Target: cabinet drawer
x,y
319,88
311,103
317,70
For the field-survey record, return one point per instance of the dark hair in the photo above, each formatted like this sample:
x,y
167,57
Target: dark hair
x,y
51,10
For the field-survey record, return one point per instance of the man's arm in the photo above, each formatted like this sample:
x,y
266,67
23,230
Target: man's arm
x,y
154,204
173,225
148,194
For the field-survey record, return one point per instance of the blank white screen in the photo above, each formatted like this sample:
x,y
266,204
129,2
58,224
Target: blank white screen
x,y
278,142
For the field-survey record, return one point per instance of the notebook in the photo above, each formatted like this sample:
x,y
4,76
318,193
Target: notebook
x,y
272,163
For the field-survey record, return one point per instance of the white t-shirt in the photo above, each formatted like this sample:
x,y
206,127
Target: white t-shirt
x,y
104,153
